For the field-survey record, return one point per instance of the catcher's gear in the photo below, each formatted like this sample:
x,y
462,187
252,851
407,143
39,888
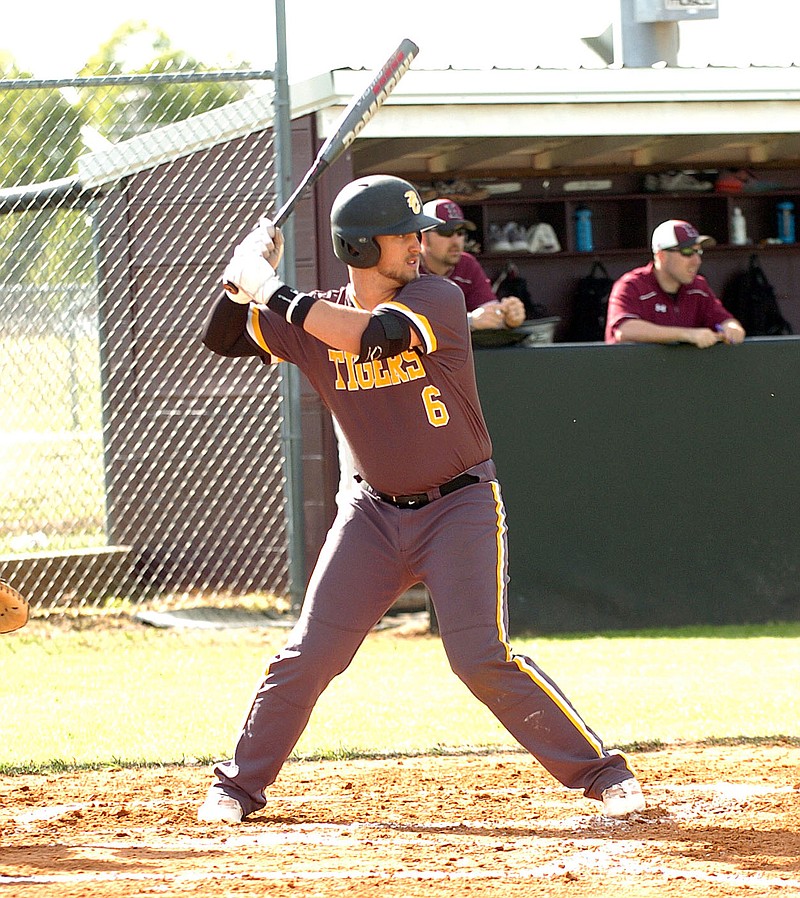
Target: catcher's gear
x,y
14,608
373,206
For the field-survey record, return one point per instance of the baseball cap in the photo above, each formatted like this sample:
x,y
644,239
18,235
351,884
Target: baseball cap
x,y
451,214
677,233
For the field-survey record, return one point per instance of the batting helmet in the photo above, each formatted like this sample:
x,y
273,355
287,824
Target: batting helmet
x,y
371,206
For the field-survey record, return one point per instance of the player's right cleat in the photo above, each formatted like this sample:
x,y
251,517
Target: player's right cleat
x,y
623,798
219,808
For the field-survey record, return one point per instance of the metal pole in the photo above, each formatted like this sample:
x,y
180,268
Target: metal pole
x,y
646,43
290,382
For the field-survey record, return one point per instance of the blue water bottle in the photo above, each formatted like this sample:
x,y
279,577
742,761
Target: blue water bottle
x,y
786,222
583,230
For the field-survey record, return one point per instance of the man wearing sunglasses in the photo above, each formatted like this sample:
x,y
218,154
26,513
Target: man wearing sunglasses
x,y
668,301
443,253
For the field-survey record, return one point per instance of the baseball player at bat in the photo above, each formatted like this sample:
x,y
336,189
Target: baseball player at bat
x,y
390,355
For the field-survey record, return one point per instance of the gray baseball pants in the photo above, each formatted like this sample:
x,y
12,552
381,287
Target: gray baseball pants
x,y
374,552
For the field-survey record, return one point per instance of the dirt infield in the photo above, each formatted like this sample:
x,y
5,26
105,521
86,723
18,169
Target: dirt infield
x,y
722,820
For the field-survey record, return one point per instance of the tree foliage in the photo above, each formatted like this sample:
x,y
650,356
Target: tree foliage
x,y
40,141
43,131
40,132
122,111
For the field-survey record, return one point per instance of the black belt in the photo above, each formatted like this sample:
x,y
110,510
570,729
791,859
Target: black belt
x,y
417,500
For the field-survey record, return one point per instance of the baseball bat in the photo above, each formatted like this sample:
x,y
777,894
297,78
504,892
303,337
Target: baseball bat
x,y
358,112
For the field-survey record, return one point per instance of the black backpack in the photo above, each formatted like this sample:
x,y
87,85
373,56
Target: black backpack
x,y
750,298
511,283
590,306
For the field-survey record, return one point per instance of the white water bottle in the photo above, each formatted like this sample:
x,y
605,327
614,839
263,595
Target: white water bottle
x,y
738,228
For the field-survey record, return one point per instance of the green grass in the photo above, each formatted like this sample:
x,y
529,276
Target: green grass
x,y
137,695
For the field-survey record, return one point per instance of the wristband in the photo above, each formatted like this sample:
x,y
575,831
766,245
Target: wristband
x,y
291,304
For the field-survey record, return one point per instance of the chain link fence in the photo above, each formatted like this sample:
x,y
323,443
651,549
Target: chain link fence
x,y
135,466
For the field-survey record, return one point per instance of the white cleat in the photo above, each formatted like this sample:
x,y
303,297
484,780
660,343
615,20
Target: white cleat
x,y
623,798
219,808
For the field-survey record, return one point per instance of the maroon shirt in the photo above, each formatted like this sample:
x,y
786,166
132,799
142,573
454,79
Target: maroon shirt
x,y
637,294
473,280
413,421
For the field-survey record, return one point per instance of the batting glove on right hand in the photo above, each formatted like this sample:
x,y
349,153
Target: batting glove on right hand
x,y
251,271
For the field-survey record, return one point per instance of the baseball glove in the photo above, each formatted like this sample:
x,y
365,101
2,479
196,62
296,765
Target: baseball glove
x,y
13,609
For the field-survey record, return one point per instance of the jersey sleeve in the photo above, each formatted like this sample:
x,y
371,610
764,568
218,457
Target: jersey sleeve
x,y
714,312
225,329
480,290
434,307
275,339
623,302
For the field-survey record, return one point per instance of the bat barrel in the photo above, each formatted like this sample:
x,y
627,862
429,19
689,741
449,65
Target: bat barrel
x,y
358,112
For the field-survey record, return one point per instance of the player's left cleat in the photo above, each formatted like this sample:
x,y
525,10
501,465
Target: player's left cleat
x,y
219,808
623,798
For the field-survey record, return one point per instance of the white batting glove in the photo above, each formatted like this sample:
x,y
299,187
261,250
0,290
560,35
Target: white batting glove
x,y
268,240
250,275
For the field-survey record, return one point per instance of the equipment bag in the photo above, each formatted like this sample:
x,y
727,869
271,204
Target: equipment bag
x,y
590,306
511,283
750,298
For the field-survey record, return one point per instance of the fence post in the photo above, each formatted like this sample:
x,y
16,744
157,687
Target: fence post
x,y
290,381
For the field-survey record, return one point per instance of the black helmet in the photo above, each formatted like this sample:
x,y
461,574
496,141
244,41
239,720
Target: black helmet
x,y
373,205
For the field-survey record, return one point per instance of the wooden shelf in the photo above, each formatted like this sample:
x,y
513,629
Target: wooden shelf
x,y
621,227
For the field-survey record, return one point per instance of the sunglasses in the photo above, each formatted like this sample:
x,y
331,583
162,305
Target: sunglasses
x,y
449,232
687,251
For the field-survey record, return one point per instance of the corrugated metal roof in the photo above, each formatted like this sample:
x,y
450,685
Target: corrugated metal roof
x,y
511,122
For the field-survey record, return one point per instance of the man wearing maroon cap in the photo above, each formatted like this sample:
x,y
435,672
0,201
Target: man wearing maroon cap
x,y
443,253
667,301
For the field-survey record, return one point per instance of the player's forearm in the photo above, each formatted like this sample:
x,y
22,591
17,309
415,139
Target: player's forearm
x,y
638,331
489,316
337,326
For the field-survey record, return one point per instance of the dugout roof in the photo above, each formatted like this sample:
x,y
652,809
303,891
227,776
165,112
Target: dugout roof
x,y
540,121
439,124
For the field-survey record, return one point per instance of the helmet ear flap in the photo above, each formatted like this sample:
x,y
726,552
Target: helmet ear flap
x,y
365,255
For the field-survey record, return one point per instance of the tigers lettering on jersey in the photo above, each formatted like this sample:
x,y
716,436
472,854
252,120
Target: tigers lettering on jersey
x,y
354,375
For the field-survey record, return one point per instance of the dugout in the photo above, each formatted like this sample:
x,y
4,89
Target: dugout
x,y
470,131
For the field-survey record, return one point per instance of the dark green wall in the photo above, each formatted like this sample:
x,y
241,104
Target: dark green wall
x,y
648,485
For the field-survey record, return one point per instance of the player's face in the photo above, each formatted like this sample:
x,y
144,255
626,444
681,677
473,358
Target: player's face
x,y
681,266
399,259
443,251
